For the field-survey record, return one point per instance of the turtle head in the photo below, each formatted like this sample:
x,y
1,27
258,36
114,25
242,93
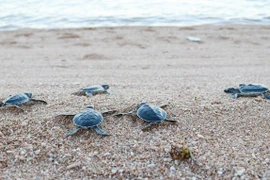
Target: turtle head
x,y
105,86
141,104
28,94
232,90
90,107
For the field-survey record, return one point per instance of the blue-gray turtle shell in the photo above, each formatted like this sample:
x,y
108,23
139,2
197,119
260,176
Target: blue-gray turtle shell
x,y
151,113
93,89
16,99
88,118
253,88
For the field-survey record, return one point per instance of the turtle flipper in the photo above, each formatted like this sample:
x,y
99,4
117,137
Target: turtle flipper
x,y
16,106
72,132
79,93
38,100
163,105
64,115
19,108
109,92
129,113
266,95
171,120
234,95
108,112
147,126
89,94
100,131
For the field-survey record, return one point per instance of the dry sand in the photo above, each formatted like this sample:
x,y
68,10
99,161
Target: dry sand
x,y
152,64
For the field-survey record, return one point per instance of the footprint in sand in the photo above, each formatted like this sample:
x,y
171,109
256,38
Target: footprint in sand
x,y
223,37
89,29
110,30
186,28
149,29
227,28
24,47
82,44
118,38
130,43
69,36
94,56
8,42
167,38
24,35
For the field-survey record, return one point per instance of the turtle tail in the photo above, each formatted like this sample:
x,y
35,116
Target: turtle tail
x,y
1,104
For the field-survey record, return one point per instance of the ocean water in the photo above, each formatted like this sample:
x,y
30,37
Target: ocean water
x,y
16,14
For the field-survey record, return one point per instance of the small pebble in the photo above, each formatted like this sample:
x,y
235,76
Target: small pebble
x,y
151,165
21,158
10,152
240,171
37,152
220,171
266,161
200,136
167,150
167,159
74,165
194,39
114,170
172,168
106,154
22,152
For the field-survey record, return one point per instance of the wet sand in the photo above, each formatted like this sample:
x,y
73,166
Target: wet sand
x,y
230,138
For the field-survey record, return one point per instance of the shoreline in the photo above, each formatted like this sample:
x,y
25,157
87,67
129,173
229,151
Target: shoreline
x,y
135,26
157,65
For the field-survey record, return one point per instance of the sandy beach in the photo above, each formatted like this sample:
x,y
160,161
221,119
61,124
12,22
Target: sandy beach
x,y
158,65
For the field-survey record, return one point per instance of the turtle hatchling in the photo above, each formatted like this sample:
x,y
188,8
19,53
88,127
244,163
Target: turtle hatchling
x,y
89,118
19,99
250,90
149,113
93,90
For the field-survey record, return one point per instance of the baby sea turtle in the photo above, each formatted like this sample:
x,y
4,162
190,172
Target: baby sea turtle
x,y
89,118
93,90
149,113
250,90
18,99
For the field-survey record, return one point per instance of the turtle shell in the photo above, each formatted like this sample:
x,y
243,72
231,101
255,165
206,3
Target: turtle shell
x,y
93,89
253,88
17,99
151,113
87,118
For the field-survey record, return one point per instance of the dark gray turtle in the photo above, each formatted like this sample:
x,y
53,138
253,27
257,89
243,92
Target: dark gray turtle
x,y
18,99
89,118
250,90
93,90
149,113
